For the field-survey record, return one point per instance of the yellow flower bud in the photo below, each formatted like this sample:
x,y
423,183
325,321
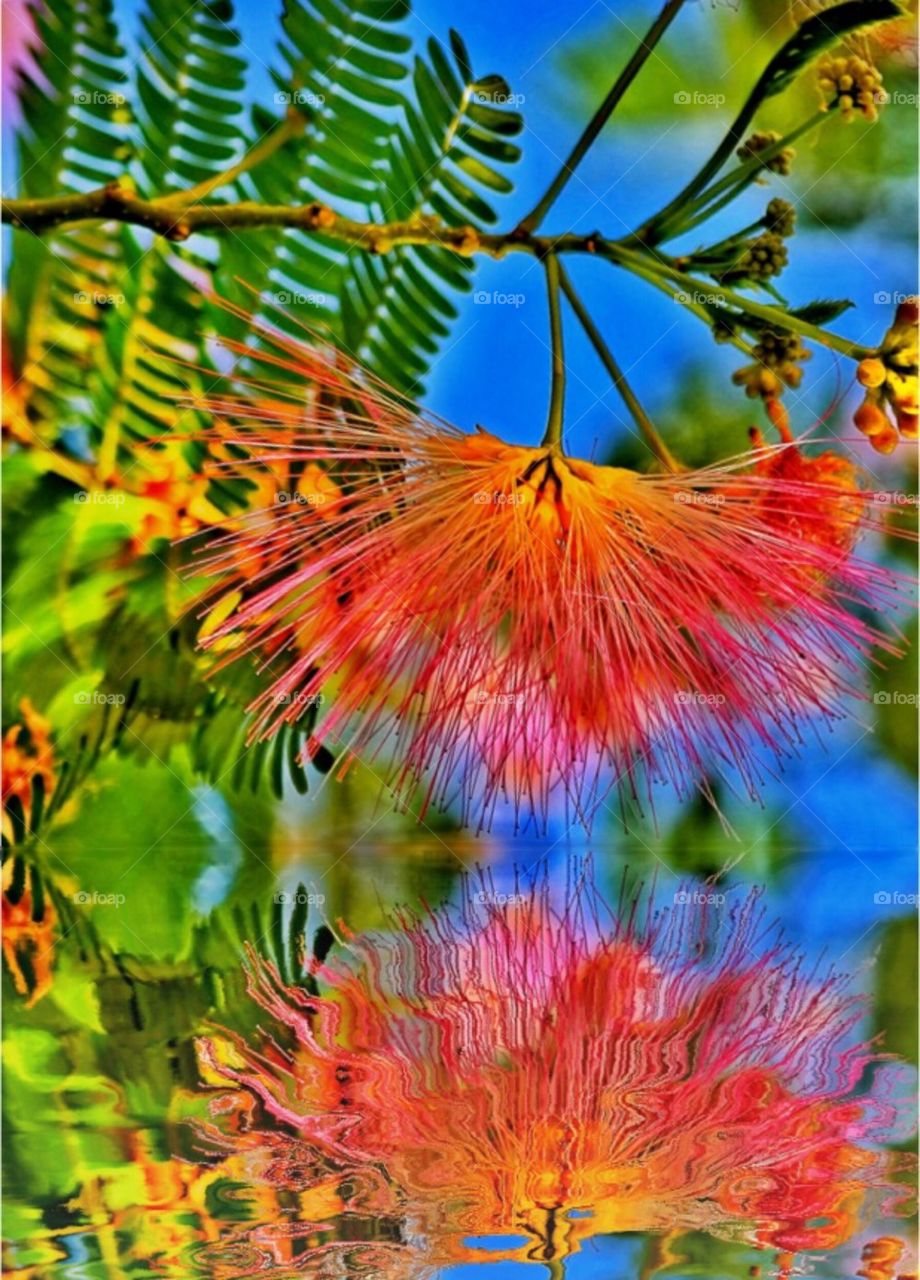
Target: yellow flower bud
x,y
871,372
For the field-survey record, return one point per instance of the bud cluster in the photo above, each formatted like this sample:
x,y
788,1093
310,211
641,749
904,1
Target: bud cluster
x,y
889,409
778,359
854,85
757,143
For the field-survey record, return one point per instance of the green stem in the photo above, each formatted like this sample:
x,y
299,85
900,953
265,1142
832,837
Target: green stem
x,y
117,202
778,319
178,219
290,127
553,433
683,213
601,116
697,309
643,421
714,252
740,177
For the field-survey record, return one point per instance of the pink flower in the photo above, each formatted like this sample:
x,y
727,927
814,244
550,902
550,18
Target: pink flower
x,y
483,621
504,1064
19,41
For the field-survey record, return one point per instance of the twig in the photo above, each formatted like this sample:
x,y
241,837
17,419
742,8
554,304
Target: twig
x,y
601,116
643,421
553,434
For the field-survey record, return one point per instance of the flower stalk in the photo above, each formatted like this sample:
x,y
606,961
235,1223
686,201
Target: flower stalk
x,y
721,294
536,216
684,213
553,435
643,421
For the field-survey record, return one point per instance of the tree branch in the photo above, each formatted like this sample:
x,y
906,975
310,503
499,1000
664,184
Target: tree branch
x,y
119,203
642,420
181,215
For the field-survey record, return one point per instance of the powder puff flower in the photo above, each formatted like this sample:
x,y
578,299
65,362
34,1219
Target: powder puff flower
x,y
484,621
506,1063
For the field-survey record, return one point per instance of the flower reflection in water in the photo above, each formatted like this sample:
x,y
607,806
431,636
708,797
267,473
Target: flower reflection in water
x,y
552,1071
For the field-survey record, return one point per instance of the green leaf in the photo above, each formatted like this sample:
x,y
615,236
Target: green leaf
x,y
823,310
446,157
190,49
815,35
110,331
